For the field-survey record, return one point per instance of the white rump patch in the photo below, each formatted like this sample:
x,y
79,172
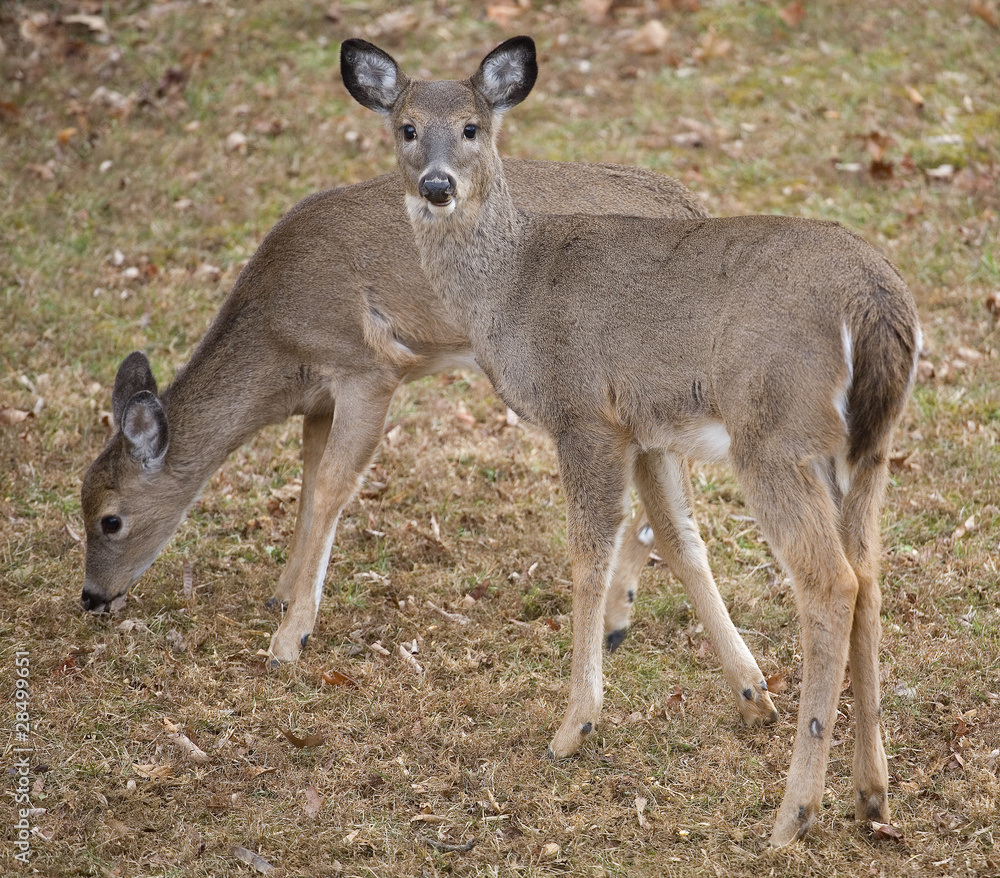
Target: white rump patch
x,y
840,398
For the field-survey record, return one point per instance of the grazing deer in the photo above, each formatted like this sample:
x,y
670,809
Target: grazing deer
x,y
327,319
786,345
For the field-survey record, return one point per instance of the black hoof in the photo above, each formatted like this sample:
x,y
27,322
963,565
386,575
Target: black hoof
x,y
274,664
304,640
615,638
275,603
586,728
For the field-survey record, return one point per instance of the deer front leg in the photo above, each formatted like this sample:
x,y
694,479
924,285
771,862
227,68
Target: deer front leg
x,y
315,434
629,563
358,421
594,479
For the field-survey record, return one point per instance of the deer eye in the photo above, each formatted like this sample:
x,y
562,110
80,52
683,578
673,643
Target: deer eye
x,y
110,524
409,132
470,131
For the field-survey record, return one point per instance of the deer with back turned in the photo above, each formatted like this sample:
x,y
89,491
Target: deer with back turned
x,y
784,345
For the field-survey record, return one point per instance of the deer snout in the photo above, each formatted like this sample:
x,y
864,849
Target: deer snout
x,y
437,187
93,603
96,603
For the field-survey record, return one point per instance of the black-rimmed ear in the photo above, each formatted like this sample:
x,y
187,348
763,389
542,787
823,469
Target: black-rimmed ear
x,y
372,76
134,375
144,426
507,74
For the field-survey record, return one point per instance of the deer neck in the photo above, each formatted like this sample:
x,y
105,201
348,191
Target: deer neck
x,y
470,256
215,404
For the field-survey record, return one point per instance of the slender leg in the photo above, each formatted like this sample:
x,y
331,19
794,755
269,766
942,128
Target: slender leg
x,y
358,422
631,559
794,509
315,433
860,525
594,473
665,489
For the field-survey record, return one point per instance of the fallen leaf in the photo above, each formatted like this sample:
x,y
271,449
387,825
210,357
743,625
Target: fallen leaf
x,y
66,135
307,741
94,23
793,13
12,416
191,750
640,807
676,698
252,859
550,851
314,801
776,683
391,25
236,142
886,832
915,97
152,771
335,678
650,38
503,13
41,172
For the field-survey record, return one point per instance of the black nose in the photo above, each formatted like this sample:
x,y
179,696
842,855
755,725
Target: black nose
x,y
437,188
92,603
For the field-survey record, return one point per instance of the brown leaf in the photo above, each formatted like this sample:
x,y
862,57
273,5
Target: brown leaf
x,y
503,13
314,801
650,38
886,832
675,699
993,304
41,172
793,13
704,649
153,771
335,678
307,741
776,683
66,135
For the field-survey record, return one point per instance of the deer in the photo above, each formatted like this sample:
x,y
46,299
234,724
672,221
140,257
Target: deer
x,y
784,345
322,324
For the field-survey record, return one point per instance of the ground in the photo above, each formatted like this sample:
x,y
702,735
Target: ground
x,y
146,148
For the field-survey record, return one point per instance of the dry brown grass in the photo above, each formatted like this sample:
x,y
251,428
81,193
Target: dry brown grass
x,y
671,784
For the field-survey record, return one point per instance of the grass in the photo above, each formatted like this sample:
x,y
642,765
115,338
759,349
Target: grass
x,y
125,219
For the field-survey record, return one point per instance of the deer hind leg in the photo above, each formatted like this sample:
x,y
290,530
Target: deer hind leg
x,y
798,515
629,563
358,422
860,528
315,434
665,490
594,471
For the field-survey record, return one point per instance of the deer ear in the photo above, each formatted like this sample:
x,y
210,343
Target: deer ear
x,y
507,74
144,426
372,77
133,375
